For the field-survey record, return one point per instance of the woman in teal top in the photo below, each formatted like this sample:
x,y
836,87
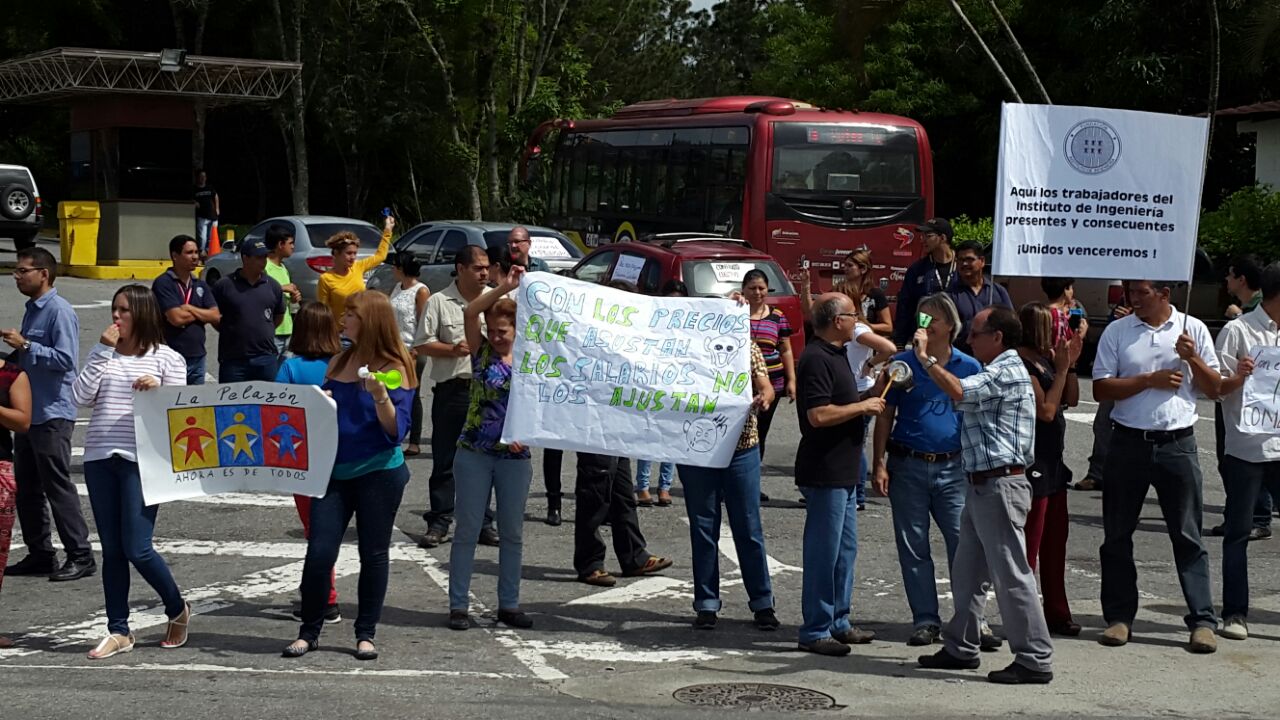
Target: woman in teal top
x,y
313,344
485,465
369,473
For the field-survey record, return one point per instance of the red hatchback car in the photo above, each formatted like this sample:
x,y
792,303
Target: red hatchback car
x,y
711,266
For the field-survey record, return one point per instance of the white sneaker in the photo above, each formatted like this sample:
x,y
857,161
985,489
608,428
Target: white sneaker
x,y
1235,628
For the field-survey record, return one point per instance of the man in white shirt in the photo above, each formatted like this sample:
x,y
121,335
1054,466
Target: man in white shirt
x,y
1250,461
1142,365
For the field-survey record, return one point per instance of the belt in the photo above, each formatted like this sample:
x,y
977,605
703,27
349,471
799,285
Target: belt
x,y
980,478
1156,437
900,449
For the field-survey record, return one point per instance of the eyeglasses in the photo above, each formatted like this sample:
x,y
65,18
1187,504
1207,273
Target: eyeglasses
x,y
20,272
968,260
524,241
852,315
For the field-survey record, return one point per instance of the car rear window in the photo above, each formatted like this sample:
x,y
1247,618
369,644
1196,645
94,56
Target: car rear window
x,y
9,176
721,277
544,247
369,236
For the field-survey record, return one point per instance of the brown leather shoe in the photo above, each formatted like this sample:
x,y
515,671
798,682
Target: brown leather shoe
x,y
1203,641
855,636
1117,634
5,643
664,498
644,499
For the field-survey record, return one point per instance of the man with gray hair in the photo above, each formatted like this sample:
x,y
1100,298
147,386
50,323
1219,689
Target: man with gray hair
x,y
923,475
997,437
831,434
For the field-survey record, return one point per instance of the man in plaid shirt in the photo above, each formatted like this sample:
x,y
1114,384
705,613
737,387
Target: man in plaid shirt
x,y
997,438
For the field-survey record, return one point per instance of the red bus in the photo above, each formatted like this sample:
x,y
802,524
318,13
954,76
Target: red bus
x,y
799,182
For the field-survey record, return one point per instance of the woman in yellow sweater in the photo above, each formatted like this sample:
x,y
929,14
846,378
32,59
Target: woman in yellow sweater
x,y
347,276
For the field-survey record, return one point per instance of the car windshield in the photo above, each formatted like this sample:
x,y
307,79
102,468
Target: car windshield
x,y
320,232
842,159
543,247
722,277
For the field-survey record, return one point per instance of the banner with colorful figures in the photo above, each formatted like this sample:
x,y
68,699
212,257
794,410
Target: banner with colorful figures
x,y
238,437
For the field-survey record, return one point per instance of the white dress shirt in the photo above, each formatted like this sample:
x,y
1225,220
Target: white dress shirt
x,y
1129,347
1239,338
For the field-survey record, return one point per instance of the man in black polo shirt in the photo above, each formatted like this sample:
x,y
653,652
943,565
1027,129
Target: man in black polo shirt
x,y
830,443
187,303
252,306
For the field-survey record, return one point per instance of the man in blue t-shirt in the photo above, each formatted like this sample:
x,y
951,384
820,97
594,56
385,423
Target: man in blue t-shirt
x,y
187,304
920,433
252,306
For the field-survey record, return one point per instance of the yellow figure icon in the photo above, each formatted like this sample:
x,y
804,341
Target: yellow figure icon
x,y
241,437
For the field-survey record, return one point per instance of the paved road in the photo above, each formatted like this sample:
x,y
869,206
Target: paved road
x,y
621,652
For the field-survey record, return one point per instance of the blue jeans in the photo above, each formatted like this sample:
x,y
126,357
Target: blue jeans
x,y
203,226
917,490
373,498
665,471
476,475
830,549
195,370
1245,481
261,367
738,488
125,527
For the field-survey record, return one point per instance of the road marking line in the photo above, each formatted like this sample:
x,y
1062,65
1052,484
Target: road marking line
x,y
240,499
526,653
207,668
642,590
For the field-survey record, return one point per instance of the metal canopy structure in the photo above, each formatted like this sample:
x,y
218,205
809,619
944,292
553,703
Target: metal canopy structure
x,y
62,73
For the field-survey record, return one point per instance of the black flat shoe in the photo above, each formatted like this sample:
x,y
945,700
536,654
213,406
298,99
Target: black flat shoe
x,y
74,570
459,620
1016,674
293,651
366,654
706,620
553,517
943,660
515,619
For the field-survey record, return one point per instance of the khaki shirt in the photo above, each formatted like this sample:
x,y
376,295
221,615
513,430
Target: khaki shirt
x,y
442,321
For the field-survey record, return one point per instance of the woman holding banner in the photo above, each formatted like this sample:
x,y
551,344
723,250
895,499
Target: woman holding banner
x,y
313,344
485,465
369,472
738,487
130,355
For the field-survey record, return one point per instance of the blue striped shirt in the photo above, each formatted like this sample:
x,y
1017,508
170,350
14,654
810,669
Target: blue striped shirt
x,y
999,409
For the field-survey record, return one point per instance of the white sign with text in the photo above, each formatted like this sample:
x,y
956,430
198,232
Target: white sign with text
x,y
1097,193
239,437
1260,405
616,373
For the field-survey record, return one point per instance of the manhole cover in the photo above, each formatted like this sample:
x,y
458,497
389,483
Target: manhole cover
x,y
754,696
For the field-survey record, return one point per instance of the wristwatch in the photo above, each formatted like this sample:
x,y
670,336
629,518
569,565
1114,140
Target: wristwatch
x,y
932,361
26,345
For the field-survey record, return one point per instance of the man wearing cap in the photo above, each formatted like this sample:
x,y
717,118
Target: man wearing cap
x,y
1152,363
997,440
930,274
252,307
519,244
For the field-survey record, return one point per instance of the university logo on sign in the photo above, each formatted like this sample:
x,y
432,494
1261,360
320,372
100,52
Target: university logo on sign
x,y
1092,147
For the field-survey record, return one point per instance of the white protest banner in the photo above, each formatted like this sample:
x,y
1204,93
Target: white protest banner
x,y
606,371
1097,193
1260,409
239,437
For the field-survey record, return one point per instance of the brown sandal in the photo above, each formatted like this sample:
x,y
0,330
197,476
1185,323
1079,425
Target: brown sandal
x,y
175,635
599,578
652,565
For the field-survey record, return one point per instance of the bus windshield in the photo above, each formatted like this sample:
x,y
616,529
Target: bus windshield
x,y
843,159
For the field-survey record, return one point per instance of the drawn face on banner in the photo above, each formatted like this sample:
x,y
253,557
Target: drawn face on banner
x,y
703,433
723,349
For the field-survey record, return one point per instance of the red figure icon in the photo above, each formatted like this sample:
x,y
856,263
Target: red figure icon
x,y
195,439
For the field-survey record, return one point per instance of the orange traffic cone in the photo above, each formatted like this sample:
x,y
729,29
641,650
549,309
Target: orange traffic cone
x,y
215,247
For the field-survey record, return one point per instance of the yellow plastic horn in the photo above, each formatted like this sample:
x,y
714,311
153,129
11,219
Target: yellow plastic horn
x,y
391,378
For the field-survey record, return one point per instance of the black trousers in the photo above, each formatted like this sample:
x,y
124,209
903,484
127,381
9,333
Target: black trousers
x,y
764,420
42,470
449,403
1134,465
552,462
605,491
1262,506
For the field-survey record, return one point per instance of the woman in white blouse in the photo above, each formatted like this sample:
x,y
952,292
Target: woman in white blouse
x,y
409,299
130,355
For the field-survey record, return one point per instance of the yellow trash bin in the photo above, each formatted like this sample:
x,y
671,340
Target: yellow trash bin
x,y
78,230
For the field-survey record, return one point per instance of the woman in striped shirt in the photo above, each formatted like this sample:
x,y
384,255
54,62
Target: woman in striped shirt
x,y
130,355
772,334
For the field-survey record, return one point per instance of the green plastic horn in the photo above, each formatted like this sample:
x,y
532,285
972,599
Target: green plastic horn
x,y
391,378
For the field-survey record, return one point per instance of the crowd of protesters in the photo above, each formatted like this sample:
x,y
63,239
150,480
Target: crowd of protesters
x,y
973,441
